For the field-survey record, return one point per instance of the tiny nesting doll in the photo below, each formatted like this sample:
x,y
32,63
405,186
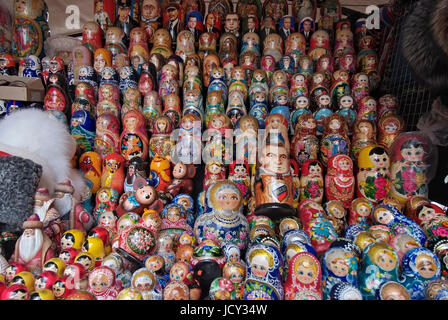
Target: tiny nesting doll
x,y
263,280
82,128
214,171
90,165
338,265
389,127
340,180
113,172
312,181
410,160
102,283
360,212
235,271
304,278
335,138
152,108
379,264
373,178
239,174
107,137
346,109
134,139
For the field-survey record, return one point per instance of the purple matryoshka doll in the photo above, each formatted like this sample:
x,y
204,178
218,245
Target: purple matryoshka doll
x,y
373,177
340,180
304,278
134,139
335,138
107,137
312,181
225,223
82,128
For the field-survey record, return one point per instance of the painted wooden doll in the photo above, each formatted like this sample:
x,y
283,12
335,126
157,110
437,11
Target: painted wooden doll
x,y
360,212
225,223
379,264
304,278
82,128
113,172
360,86
367,109
134,139
338,265
90,164
263,279
419,267
160,142
432,219
410,158
311,181
335,138
388,215
305,144
364,135
340,181
240,175
373,177
336,213
214,171
389,127
107,137
235,271
402,243
346,109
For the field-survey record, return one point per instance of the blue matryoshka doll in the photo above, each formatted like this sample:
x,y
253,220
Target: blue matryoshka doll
x,y
187,202
287,64
13,106
128,78
88,74
218,82
109,76
345,291
418,267
388,215
82,128
379,264
174,220
280,104
263,279
338,265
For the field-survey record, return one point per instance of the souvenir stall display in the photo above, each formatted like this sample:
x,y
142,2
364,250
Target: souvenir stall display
x,y
216,151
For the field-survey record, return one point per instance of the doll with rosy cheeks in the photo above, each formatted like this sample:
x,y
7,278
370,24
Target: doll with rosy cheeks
x,y
268,65
298,86
134,139
389,127
214,171
108,220
305,144
336,213
364,134
335,138
301,105
102,283
304,278
346,105
360,212
360,86
340,181
106,200
367,109
312,181
348,62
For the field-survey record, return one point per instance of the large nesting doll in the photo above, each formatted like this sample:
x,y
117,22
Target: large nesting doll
x,y
134,139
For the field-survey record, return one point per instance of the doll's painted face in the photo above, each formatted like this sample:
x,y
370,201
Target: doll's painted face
x,y
344,164
426,266
228,199
282,100
305,272
339,267
302,102
154,263
390,127
260,266
363,80
299,80
337,211
334,124
260,96
315,170
380,160
386,260
103,196
99,283
413,153
130,123
324,100
236,276
214,168
177,272
365,128
318,78
232,22
276,159
426,213
346,102
363,210
107,219
383,216
173,214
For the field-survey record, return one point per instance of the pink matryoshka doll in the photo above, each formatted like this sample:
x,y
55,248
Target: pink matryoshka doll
x,y
304,278
113,172
92,36
312,181
134,139
340,180
373,178
107,138
102,283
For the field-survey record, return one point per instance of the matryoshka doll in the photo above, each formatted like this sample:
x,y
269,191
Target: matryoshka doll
x,y
305,144
152,108
346,105
263,279
338,265
367,109
82,128
411,158
304,278
113,172
225,200
114,42
336,213
319,44
390,126
419,267
312,181
268,65
101,58
432,219
246,140
273,46
402,243
340,179
144,280
379,264
335,138
92,36
134,139
102,283
364,135
235,271
90,165
360,86
373,177
172,108
168,82
107,137
239,174
298,86
360,212
160,142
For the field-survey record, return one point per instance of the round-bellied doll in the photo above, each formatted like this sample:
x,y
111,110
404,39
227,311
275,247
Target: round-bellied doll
x,y
340,180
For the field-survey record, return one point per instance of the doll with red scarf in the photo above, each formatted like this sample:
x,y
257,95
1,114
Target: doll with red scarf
x,y
239,174
134,139
92,36
305,144
432,219
340,180
102,283
113,172
304,278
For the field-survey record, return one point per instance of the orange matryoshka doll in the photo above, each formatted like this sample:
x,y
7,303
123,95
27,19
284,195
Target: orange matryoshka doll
x,y
113,172
90,165
134,139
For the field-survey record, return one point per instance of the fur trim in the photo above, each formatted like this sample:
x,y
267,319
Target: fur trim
x,y
424,56
439,25
32,134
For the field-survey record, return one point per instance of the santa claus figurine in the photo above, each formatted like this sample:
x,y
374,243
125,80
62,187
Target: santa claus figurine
x,y
33,247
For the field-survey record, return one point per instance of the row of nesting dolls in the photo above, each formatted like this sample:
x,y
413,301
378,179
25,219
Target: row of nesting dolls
x,y
386,260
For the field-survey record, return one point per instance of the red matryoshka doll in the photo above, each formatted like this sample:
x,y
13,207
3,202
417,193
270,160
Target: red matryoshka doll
x,y
162,43
169,81
56,99
335,138
90,165
411,159
304,278
367,109
432,219
239,174
146,83
364,134
102,283
92,36
387,103
373,178
63,287
172,108
298,86
7,65
273,46
78,275
305,144
138,44
347,62
390,125
214,171
107,137
134,139
312,181
340,180
152,108
268,65
319,44
160,142
45,280
85,91
360,86
113,172
360,212
101,58
273,182
68,255
12,269
325,63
